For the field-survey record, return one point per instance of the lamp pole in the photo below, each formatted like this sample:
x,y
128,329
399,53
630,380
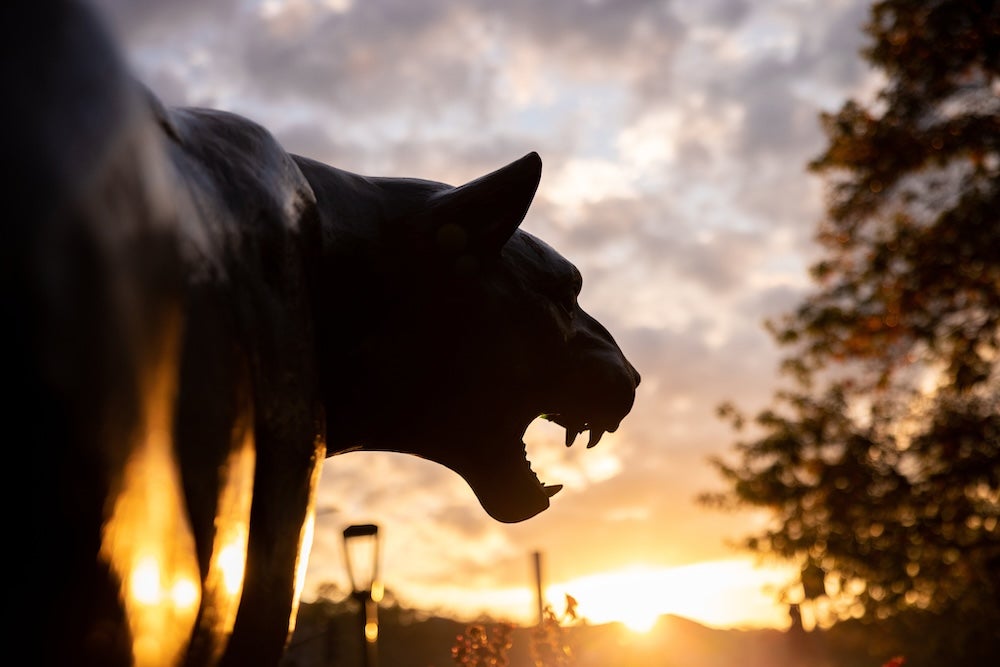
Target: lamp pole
x,y
537,561
361,556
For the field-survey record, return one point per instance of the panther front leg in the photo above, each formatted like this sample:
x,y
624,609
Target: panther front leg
x,y
280,531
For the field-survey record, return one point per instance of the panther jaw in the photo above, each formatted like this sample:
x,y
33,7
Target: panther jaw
x,y
495,465
508,489
549,489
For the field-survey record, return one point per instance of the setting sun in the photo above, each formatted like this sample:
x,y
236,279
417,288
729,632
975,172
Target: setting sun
x,y
718,593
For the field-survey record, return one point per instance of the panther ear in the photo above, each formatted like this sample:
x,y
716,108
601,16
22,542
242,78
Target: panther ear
x,y
482,214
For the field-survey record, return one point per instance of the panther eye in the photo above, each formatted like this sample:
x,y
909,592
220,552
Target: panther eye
x,y
565,301
563,291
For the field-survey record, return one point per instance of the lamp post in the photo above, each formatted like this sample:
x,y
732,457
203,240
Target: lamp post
x,y
361,555
537,560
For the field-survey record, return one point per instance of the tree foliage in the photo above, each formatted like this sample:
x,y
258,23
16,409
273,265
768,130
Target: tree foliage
x,y
880,466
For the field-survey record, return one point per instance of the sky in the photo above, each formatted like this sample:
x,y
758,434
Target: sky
x,y
674,138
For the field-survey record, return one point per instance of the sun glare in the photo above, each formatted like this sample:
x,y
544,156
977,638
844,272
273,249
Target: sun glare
x,y
730,593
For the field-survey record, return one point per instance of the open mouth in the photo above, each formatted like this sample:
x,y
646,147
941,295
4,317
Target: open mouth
x,y
507,502
500,473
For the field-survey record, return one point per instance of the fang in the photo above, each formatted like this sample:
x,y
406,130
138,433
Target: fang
x,y
595,437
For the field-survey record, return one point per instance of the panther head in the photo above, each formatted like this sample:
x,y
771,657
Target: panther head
x,y
469,330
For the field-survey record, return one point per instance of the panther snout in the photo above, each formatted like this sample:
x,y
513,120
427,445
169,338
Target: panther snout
x,y
602,381
615,401
597,392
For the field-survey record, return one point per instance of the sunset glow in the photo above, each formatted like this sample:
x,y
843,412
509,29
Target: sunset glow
x,y
719,594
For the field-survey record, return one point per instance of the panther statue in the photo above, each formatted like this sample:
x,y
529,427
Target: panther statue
x,y
199,319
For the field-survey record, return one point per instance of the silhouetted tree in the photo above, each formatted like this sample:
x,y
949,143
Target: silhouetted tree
x,y
880,466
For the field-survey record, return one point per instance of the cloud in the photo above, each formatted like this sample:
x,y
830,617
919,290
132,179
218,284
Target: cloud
x,y
483,54
141,22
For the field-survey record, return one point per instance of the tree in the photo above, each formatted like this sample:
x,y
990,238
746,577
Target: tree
x,y
880,466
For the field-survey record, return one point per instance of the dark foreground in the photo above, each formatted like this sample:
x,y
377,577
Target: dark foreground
x,y
328,635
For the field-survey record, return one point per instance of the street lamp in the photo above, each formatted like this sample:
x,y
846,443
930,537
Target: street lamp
x,y
361,555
